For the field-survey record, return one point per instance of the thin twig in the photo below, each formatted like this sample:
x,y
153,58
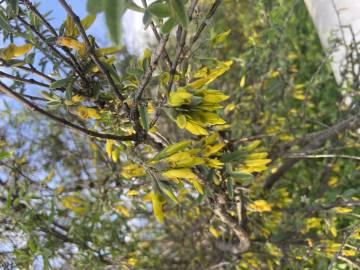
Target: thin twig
x,y
338,253
23,80
157,36
55,50
33,9
90,49
62,121
304,156
205,21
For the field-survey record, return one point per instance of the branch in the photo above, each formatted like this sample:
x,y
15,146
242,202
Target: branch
x,y
56,51
62,121
33,9
157,36
18,79
90,49
338,253
315,139
304,156
153,64
205,21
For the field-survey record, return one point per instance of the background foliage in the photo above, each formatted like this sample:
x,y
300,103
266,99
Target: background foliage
x,y
281,175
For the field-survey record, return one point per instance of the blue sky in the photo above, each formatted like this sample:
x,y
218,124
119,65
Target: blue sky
x,y
58,15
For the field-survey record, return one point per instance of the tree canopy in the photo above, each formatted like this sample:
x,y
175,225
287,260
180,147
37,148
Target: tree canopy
x,y
226,145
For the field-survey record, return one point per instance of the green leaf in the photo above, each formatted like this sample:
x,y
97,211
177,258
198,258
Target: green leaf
x,y
230,188
4,154
69,90
88,21
144,117
114,9
4,22
131,5
172,149
14,6
168,192
178,12
159,10
60,83
15,62
168,26
233,156
242,176
94,6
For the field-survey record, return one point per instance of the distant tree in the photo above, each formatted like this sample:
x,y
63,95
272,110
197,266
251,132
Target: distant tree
x,y
226,146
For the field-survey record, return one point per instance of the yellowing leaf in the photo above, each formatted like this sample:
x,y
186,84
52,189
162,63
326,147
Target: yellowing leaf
x,y
252,146
214,163
115,155
214,232
333,231
311,223
260,206
132,261
109,61
201,72
181,121
242,81
9,52
257,162
213,96
74,100
59,189
259,155
342,210
147,53
211,150
195,128
212,75
183,173
70,43
23,49
132,193
197,185
12,51
108,50
179,97
87,113
132,170
108,147
88,21
74,203
157,206
172,149
49,177
207,118
184,159
230,107
220,38
122,210
333,181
